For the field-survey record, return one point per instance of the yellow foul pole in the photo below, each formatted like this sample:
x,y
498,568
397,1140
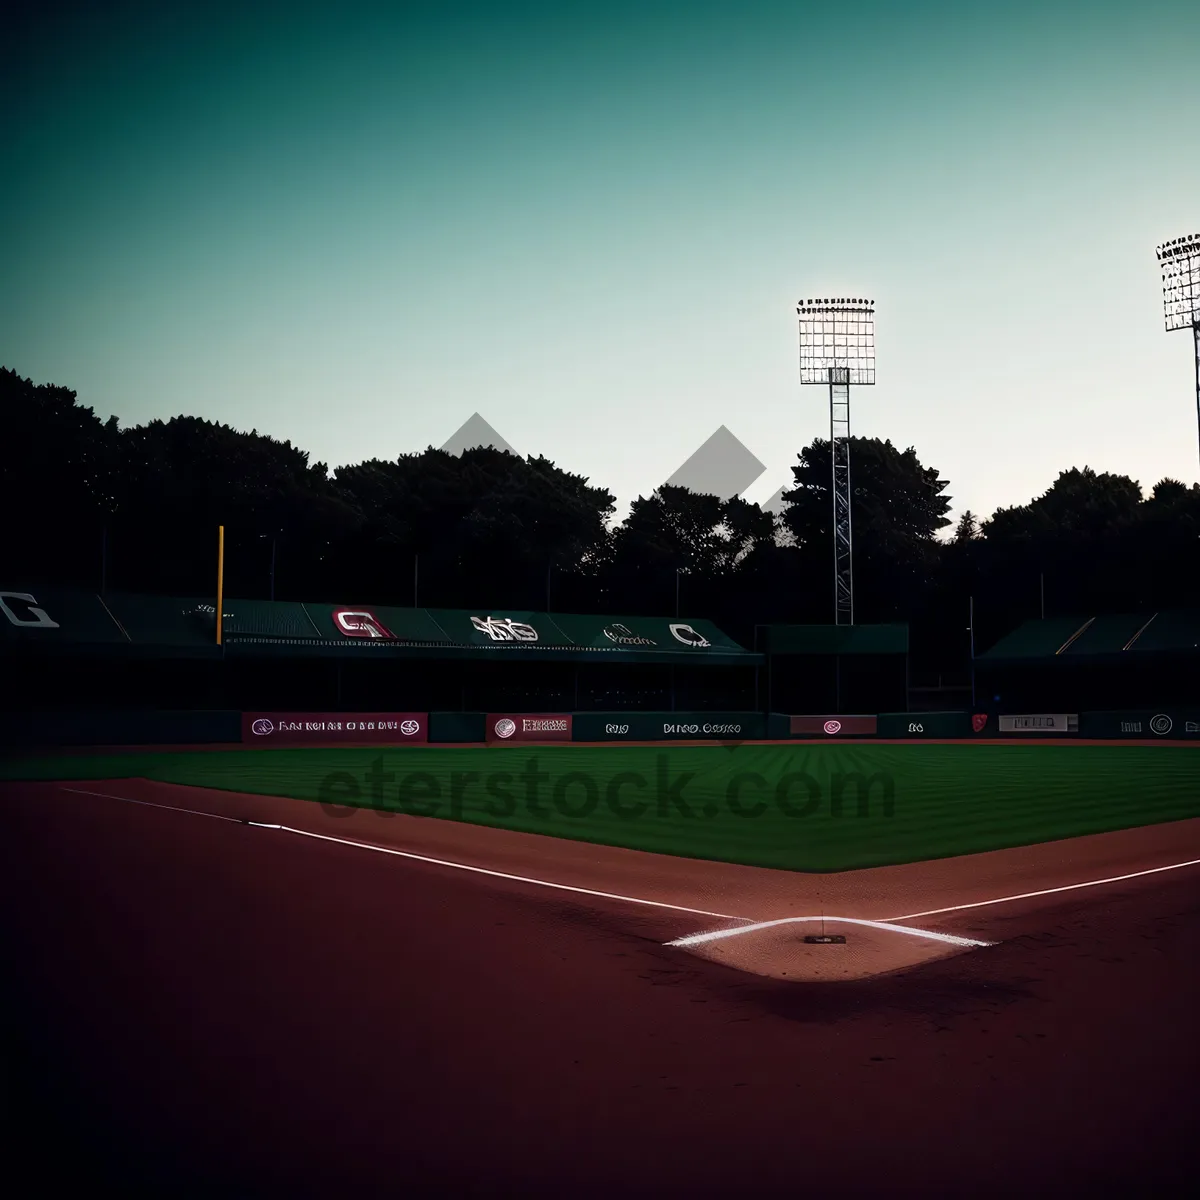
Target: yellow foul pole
x,y
220,577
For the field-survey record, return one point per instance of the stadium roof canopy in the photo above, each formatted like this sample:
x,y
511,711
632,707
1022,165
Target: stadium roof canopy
x,y
1108,639
54,620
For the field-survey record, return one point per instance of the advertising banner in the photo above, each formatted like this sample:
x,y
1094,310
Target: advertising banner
x,y
1040,723
387,728
834,726
938,725
1170,723
528,727
669,726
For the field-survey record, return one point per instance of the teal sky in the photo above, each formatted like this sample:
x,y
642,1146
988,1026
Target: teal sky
x,y
591,223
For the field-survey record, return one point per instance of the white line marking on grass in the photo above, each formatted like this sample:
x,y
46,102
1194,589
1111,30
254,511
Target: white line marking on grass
x,y
1070,887
440,862
697,939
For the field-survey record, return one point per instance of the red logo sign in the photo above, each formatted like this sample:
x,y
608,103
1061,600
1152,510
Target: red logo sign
x,y
326,729
848,726
360,622
978,721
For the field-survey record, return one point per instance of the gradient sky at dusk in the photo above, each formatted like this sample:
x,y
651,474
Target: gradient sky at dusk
x,y
591,222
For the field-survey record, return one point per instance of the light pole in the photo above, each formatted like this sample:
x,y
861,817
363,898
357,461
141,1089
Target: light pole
x,y
272,536
837,349
1179,261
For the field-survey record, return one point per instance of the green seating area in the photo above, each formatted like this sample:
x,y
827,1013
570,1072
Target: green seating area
x,y
1036,639
65,621
1171,632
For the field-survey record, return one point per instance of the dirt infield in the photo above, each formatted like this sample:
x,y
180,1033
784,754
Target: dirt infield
x,y
266,1011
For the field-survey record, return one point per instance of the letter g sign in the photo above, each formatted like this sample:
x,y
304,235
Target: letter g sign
x,y
41,618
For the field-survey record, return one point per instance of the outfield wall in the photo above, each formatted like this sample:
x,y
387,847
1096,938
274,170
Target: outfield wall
x,y
1167,722
122,727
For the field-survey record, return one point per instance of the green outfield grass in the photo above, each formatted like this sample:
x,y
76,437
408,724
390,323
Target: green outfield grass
x,y
919,802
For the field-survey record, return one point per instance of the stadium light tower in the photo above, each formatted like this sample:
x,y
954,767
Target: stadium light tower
x,y
837,347
1180,263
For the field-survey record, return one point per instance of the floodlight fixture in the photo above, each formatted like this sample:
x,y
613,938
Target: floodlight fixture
x,y
837,348
1179,261
837,333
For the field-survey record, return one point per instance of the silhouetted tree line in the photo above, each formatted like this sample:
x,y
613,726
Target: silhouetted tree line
x,y
87,503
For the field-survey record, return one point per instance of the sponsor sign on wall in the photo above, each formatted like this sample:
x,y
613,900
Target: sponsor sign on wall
x,y
528,727
834,726
669,726
1150,725
699,729
932,725
1040,723
388,728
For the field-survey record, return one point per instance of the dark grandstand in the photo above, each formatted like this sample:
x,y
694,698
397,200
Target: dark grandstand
x,y
67,649
1085,662
72,651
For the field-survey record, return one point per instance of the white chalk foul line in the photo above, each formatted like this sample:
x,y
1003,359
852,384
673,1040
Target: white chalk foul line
x,y
1070,887
443,862
440,862
193,812
698,939
887,922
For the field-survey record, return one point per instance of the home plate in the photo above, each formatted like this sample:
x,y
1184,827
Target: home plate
x,y
782,950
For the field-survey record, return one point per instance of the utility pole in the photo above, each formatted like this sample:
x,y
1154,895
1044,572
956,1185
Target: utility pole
x,y
971,628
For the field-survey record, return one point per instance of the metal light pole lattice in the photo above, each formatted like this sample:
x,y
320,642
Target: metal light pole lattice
x,y
1180,263
837,348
